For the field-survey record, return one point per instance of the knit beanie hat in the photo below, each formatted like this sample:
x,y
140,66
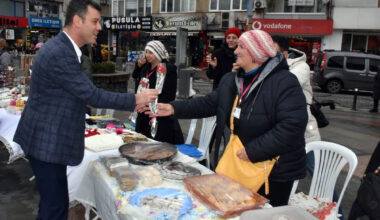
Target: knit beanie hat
x,y
259,44
232,30
158,49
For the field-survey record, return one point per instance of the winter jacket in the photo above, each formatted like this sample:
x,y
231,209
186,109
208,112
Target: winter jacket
x,y
272,120
225,58
168,129
298,66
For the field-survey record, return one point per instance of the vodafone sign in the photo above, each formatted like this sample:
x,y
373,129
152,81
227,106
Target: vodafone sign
x,y
293,26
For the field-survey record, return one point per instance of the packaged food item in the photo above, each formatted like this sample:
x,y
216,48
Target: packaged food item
x,y
224,195
150,177
176,170
113,162
103,142
126,177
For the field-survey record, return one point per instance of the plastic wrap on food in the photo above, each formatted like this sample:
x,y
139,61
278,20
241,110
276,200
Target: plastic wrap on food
x,y
150,177
126,177
113,162
148,153
161,73
162,203
144,84
222,194
176,170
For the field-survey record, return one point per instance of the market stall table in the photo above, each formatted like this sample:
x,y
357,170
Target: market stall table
x,y
98,189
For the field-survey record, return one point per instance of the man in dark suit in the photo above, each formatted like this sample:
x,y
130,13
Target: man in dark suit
x,y
51,129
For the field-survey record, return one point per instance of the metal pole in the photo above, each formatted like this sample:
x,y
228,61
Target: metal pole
x,y
249,14
355,99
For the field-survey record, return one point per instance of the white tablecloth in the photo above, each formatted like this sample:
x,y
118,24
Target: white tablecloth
x,y
100,190
8,126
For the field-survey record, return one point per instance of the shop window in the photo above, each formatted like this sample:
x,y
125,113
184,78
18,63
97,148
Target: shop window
x,y
373,45
178,6
296,6
374,65
224,5
359,43
355,63
336,62
144,4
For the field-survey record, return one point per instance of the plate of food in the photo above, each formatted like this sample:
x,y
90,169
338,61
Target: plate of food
x,y
147,153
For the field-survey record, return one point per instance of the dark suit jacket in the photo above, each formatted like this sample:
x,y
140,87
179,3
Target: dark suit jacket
x,y
52,125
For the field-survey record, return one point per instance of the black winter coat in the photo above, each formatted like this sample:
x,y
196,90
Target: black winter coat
x,y
168,127
272,125
225,58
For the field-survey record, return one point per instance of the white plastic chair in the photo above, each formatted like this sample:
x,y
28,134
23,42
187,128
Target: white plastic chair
x,y
208,127
329,160
109,112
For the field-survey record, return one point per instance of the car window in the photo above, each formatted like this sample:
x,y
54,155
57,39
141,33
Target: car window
x,y
335,62
374,65
355,63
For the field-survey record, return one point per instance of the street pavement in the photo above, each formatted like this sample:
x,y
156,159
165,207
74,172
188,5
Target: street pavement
x,y
358,130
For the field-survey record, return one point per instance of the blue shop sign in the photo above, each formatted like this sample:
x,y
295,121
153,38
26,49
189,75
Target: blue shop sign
x,y
44,22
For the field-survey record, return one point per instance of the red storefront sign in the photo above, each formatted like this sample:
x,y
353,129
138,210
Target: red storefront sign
x,y
13,21
293,26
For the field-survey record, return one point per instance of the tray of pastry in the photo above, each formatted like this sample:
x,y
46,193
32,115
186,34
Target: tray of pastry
x,y
147,153
225,196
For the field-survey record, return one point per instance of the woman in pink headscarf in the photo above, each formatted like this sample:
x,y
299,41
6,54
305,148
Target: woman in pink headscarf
x,y
269,116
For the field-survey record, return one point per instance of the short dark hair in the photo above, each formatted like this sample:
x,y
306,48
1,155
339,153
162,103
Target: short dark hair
x,y
79,7
282,42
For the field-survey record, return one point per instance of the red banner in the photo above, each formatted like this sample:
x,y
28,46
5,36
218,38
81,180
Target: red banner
x,y
13,21
293,26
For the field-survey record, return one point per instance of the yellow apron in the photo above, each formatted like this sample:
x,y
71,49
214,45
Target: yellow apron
x,y
251,175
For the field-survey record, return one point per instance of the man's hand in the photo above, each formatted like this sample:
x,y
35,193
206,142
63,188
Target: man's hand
x,y
146,96
212,62
242,154
141,108
162,110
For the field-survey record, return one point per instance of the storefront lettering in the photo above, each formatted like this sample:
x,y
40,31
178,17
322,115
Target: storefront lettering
x,y
124,20
127,23
13,22
278,26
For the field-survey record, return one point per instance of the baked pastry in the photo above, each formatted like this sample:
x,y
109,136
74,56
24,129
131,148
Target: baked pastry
x,y
228,197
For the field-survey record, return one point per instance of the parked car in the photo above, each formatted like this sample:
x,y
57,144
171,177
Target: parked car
x,y
338,70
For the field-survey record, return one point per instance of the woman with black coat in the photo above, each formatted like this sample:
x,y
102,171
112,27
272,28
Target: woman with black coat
x,y
221,61
271,115
168,128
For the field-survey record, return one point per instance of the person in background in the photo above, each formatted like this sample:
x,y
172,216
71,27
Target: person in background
x,y
5,57
168,127
52,125
38,47
270,117
376,92
221,61
297,65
